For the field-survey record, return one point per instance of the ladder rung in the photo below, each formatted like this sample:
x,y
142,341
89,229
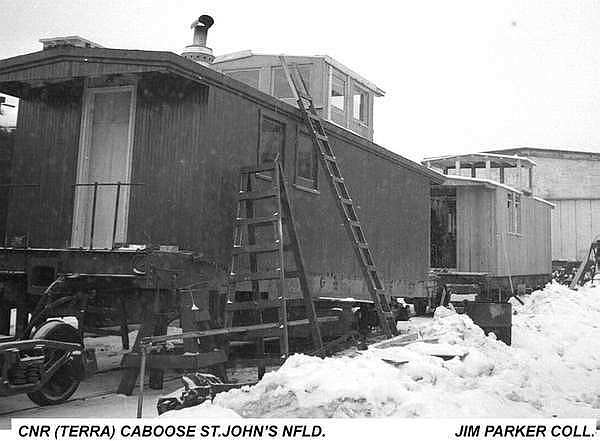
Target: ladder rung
x,y
338,180
265,275
257,220
322,137
329,158
355,224
346,201
257,169
254,195
252,305
362,245
256,249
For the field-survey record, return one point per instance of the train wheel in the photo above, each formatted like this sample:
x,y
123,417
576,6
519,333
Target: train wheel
x,y
63,383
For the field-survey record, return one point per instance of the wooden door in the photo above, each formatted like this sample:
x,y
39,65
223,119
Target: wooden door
x,y
105,159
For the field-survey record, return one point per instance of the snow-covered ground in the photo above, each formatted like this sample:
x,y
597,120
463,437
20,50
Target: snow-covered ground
x,y
552,368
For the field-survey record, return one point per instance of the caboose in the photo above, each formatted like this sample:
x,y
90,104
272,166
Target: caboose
x,y
124,180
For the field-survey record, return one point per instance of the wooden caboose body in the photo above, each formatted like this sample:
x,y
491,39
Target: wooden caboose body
x,y
164,138
481,225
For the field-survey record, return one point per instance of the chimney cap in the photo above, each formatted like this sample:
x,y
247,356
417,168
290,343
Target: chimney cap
x,y
205,21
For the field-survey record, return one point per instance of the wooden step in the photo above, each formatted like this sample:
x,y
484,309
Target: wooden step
x,y
255,195
257,169
267,220
255,249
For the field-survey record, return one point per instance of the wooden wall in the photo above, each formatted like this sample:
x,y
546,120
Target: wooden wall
x,y
569,180
574,226
191,180
46,145
484,243
6,152
530,252
475,229
189,142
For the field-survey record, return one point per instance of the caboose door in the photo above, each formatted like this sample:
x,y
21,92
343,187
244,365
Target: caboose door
x,y
104,161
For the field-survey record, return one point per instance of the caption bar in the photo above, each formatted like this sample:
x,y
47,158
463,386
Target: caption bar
x,y
331,429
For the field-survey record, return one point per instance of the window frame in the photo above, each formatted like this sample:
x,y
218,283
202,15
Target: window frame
x,y
262,116
335,74
228,72
302,182
362,92
518,202
279,68
514,213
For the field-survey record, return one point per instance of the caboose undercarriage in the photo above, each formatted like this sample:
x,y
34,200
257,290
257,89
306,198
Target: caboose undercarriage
x,y
112,292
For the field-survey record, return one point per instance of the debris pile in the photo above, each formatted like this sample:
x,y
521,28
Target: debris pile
x,y
553,368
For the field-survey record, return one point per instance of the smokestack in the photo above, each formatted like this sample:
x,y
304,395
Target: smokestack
x,y
198,51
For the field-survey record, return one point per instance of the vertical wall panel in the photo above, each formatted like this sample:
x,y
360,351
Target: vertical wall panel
x,y
46,148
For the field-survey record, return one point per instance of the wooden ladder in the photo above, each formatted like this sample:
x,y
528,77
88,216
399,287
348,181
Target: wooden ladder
x,y
264,204
345,204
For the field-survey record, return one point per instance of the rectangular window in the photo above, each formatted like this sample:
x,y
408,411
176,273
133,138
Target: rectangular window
x,y
250,77
306,162
360,105
514,213
272,141
518,214
338,92
511,212
281,86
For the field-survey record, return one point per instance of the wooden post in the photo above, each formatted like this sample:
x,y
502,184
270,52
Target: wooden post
x,y
457,166
142,374
502,175
488,169
519,175
473,171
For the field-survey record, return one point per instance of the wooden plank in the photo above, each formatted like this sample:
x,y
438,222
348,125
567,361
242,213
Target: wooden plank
x,y
168,361
252,305
233,330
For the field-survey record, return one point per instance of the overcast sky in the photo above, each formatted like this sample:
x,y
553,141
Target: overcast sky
x,y
460,75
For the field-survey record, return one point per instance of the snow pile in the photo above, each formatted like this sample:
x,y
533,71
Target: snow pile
x,y
553,368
